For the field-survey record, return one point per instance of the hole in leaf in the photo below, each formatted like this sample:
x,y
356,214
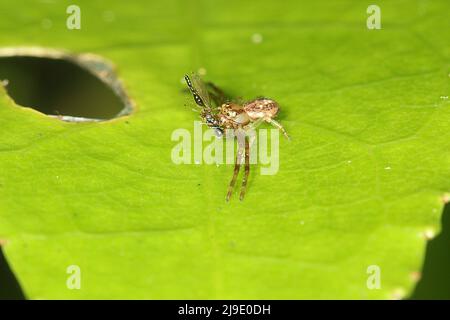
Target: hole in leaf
x,y
71,87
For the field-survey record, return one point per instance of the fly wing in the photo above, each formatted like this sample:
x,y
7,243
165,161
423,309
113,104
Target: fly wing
x,y
198,90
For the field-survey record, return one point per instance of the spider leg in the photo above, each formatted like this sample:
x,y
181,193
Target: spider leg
x,y
237,166
278,125
247,170
255,124
216,94
251,130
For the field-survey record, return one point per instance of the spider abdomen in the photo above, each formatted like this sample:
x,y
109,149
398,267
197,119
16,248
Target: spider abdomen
x,y
261,108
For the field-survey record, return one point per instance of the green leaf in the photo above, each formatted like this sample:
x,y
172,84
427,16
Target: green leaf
x,y
360,184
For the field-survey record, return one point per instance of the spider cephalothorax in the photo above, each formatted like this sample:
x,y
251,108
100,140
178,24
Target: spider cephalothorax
x,y
226,115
